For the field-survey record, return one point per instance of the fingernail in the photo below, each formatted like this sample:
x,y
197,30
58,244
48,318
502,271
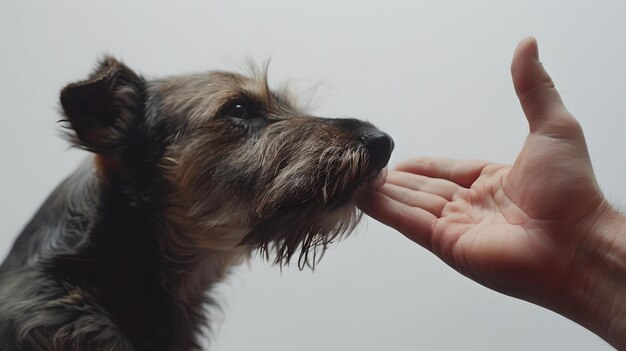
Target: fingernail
x,y
535,49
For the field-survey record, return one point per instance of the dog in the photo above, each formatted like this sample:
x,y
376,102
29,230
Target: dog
x,y
189,176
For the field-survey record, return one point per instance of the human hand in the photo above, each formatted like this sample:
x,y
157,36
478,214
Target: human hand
x,y
540,230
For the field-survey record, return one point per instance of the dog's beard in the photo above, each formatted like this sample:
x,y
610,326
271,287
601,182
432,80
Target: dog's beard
x,y
305,228
306,232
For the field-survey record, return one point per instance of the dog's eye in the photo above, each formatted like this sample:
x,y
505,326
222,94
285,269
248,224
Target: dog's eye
x,y
237,109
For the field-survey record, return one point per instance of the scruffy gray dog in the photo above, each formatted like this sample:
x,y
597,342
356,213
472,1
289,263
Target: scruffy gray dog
x,y
190,175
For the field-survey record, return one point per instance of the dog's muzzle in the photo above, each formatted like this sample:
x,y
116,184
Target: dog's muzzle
x,y
378,144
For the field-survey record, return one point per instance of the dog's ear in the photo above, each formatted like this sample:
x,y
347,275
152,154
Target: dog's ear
x,y
103,108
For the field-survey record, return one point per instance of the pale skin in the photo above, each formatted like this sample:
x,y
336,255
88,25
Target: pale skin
x,y
540,230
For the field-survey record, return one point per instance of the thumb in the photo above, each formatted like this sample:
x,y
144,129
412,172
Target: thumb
x,y
539,98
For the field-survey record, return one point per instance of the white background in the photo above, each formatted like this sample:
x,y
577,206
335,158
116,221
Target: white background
x,y
433,74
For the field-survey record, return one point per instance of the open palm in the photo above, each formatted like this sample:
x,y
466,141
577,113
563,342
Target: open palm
x,y
516,229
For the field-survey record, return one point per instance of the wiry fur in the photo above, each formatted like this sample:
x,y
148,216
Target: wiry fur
x,y
122,254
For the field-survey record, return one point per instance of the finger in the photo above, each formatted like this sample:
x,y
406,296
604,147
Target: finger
x,y
461,172
535,89
429,202
440,187
415,223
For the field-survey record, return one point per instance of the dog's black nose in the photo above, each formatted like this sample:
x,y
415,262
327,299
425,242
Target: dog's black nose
x,y
379,146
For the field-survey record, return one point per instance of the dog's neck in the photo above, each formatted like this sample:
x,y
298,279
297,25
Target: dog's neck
x,y
132,259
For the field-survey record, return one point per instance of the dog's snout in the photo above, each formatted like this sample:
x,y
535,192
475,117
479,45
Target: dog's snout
x,y
348,124
379,146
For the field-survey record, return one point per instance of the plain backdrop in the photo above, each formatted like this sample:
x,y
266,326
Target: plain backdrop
x,y
433,74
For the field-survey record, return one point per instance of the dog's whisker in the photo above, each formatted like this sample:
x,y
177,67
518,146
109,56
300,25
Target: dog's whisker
x,y
76,259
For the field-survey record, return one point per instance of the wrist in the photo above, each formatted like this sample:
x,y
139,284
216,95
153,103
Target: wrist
x,y
613,293
596,295
611,233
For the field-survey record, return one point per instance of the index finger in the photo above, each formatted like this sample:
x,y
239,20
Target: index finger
x,y
461,172
414,222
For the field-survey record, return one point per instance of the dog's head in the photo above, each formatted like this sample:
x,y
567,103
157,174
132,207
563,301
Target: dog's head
x,y
228,160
